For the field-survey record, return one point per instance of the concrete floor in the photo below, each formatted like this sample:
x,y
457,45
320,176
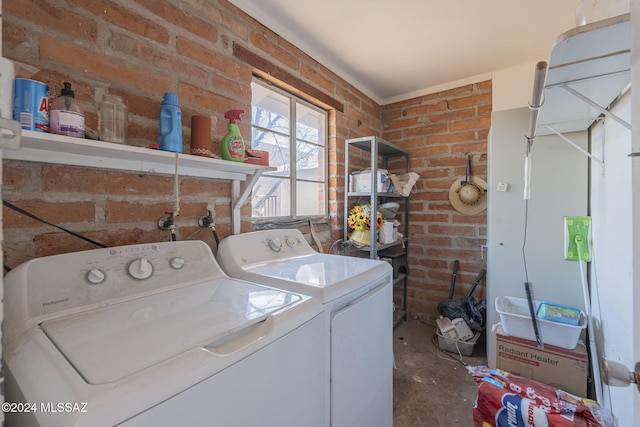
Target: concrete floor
x,y
429,388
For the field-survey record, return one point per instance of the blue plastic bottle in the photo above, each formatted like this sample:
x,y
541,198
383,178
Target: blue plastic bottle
x,y
170,138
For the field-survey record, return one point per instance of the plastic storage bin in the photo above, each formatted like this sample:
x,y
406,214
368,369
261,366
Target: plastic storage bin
x,y
465,348
559,313
516,321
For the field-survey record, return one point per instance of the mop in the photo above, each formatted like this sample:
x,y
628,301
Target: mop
x,y
577,239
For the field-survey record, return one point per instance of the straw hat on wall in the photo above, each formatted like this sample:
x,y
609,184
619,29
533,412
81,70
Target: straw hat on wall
x,y
469,195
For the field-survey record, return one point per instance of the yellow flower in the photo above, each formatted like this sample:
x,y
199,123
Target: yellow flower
x,y
360,218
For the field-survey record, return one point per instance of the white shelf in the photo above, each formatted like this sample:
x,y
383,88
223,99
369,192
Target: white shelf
x,y
367,194
64,150
593,60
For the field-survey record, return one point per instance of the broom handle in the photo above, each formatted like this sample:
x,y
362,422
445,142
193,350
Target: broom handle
x,y
456,266
478,279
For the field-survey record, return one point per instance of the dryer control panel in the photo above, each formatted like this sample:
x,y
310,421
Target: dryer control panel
x,y
265,246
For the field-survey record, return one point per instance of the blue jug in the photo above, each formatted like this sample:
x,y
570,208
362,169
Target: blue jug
x,y
170,138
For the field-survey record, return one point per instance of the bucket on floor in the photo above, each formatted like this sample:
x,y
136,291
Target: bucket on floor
x,y
465,348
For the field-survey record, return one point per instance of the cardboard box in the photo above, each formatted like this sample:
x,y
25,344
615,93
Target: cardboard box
x,y
257,157
361,182
558,367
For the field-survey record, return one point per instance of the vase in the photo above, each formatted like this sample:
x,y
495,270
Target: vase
x,y
361,236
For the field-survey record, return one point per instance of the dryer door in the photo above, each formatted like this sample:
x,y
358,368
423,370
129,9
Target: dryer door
x,y
362,361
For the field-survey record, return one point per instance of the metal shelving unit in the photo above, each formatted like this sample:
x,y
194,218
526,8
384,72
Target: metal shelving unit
x,y
380,152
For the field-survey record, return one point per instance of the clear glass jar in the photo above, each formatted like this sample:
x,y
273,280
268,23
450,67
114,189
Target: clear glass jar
x,y
113,119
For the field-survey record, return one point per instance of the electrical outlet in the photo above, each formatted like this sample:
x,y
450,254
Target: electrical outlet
x,y
502,186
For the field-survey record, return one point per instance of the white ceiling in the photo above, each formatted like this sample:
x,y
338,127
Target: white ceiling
x,y
398,49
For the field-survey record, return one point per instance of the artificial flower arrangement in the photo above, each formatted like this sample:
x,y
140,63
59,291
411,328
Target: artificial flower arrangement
x,y
359,220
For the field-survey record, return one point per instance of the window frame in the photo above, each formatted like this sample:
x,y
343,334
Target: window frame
x,y
293,179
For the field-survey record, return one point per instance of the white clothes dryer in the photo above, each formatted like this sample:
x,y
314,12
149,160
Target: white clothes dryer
x,y
357,297
157,335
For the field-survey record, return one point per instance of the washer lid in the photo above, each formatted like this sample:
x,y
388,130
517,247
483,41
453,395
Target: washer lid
x,y
322,276
112,342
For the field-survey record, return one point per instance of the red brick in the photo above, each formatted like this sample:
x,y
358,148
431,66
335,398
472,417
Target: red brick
x,y
285,58
317,79
12,36
64,179
261,41
427,109
212,188
430,151
403,123
171,65
178,16
123,18
234,88
427,130
453,115
462,125
55,213
14,175
74,56
208,99
471,101
61,20
207,57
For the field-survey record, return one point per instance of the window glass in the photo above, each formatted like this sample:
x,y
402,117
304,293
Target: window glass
x,y
298,186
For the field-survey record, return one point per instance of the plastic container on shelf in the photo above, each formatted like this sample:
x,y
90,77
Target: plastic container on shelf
x,y
31,104
65,116
516,321
170,138
113,119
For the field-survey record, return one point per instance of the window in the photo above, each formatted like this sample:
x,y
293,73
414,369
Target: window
x,y
298,188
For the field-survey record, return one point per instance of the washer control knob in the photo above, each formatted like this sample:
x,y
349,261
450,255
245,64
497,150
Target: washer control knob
x,y
176,263
291,243
140,269
95,276
275,244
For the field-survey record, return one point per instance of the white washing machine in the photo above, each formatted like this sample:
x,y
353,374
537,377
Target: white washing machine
x,y
357,296
157,335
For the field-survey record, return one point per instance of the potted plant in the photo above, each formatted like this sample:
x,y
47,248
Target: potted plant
x,y
359,221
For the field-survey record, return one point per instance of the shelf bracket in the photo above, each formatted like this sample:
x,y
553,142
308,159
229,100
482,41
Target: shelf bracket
x,y
595,105
238,199
574,145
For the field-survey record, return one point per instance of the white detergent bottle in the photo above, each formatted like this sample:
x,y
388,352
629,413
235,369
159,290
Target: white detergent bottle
x,y
65,116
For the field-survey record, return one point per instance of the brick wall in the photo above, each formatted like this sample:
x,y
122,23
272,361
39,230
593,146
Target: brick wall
x,y
440,130
143,48
139,50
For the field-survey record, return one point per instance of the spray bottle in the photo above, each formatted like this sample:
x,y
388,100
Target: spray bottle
x,y
232,145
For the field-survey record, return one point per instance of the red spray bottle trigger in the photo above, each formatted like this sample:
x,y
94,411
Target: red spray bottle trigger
x,y
233,115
